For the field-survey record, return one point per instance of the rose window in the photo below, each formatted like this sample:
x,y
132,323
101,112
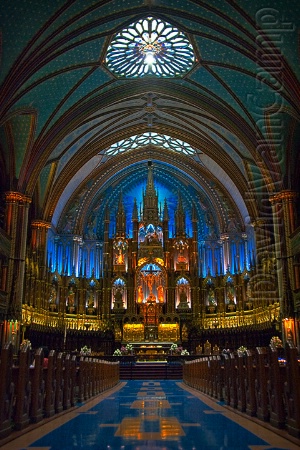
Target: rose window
x,y
150,47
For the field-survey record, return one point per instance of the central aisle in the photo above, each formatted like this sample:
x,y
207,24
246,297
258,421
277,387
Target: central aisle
x,y
152,415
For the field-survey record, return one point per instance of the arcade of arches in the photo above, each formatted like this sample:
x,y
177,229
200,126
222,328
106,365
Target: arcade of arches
x,y
152,203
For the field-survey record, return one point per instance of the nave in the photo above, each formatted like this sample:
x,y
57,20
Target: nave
x,y
140,415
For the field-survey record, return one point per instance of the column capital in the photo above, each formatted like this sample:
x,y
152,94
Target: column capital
x,y
260,222
17,197
38,224
224,236
286,195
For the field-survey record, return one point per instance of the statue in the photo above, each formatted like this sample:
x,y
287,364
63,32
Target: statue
x,y
211,297
118,299
140,296
91,300
119,257
183,303
199,349
207,348
71,298
289,335
52,298
182,294
184,333
230,294
160,293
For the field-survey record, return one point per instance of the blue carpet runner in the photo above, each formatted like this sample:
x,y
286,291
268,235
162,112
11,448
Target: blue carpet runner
x,y
144,415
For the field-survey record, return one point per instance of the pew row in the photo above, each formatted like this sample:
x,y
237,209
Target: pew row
x,y
30,392
260,383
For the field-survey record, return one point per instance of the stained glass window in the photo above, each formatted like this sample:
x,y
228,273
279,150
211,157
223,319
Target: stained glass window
x,y
140,140
150,47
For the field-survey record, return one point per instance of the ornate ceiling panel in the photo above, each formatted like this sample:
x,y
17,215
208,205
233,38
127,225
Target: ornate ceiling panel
x,y
62,108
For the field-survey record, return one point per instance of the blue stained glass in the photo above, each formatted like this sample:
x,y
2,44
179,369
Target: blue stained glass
x,y
150,47
151,138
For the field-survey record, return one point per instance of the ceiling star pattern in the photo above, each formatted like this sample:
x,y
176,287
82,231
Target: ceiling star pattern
x,y
64,109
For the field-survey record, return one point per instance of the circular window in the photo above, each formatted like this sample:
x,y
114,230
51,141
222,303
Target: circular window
x,y
150,47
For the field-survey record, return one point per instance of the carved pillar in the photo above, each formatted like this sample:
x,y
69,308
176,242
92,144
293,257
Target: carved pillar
x,y
226,254
16,222
39,235
263,283
77,263
283,207
39,231
246,255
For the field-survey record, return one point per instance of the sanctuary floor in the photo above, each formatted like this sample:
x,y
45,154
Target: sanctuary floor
x,y
151,415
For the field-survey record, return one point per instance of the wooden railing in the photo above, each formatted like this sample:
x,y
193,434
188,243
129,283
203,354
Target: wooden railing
x,y
258,382
31,392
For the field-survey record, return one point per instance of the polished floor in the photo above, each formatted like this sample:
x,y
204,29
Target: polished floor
x,y
150,415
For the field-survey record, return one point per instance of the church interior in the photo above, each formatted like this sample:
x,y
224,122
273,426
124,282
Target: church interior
x,y
149,175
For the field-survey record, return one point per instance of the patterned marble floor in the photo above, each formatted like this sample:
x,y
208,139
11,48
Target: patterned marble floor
x,y
150,415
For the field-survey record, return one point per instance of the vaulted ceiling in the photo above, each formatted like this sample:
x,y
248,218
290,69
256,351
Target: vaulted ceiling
x,y
62,108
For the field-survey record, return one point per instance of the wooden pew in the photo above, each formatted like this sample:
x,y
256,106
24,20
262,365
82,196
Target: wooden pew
x,y
233,380
50,385
241,376
59,383
23,390
215,369
7,390
73,377
37,388
210,376
261,383
205,374
87,378
67,382
292,390
227,379
220,379
81,380
276,381
250,383
31,393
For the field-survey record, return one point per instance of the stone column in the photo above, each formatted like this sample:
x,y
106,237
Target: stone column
x,y
39,253
226,254
16,223
262,277
283,207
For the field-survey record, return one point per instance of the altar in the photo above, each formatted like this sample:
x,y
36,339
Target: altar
x,y
151,351
139,332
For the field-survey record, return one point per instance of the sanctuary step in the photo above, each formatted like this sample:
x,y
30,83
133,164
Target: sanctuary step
x,y
150,371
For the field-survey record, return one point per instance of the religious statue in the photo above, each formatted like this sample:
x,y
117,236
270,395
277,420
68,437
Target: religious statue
x,y
199,349
230,294
160,293
120,257
52,298
211,297
184,333
182,294
118,299
140,296
71,298
289,335
183,301
90,301
207,348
